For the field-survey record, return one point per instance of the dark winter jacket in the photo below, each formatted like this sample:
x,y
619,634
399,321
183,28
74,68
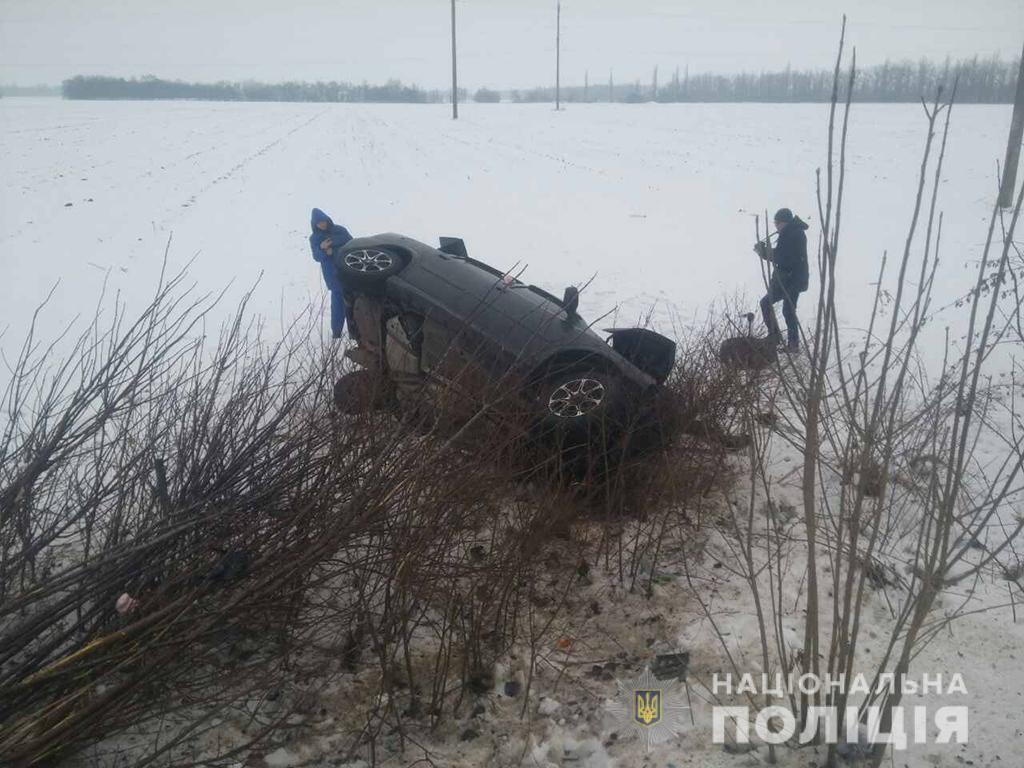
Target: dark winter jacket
x,y
339,237
790,257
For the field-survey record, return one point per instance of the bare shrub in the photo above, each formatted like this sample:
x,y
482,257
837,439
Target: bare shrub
x,y
192,535
893,493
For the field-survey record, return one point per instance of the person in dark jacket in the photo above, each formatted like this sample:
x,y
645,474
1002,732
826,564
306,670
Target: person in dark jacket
x,y
326,238
789,278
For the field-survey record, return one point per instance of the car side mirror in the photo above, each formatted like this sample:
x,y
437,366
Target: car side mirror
x,y
454,246
571,300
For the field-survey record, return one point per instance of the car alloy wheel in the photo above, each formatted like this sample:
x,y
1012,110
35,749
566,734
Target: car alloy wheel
x,y
369,262
576,398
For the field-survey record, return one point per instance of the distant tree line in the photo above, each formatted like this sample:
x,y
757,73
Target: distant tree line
x,y
487,96
29,90
145,88
981,81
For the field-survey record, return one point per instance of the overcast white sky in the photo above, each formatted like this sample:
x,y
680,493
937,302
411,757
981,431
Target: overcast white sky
x,y
502,43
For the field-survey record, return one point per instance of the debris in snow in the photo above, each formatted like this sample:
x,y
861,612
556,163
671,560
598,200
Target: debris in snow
x,y
671,666
734,748
469,734
562,749
232,566
280,758
548,706
126,604
857,750
512,688
480,681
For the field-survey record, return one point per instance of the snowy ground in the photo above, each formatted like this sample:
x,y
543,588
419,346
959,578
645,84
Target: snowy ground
x,y
657,201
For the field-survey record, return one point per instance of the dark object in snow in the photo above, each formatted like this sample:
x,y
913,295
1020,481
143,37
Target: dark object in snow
x,y
352,648
733,748
749,353
478,711
512,688
606,672
480,681
671,666
427,317
880,575
68,205
712,433
735,442
468,735
872,480
858,750
361,392
232,566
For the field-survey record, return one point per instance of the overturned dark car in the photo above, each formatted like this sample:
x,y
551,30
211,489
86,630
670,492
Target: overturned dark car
x,y
431,317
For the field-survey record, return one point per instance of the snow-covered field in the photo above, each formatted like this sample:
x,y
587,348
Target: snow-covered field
x,y
656,201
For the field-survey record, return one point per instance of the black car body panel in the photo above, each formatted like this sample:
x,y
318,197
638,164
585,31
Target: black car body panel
x,y
503,324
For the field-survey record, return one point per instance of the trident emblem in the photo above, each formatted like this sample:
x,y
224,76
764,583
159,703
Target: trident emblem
x,y
647,707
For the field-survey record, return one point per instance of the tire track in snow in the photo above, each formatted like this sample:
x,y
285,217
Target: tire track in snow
x,y
240,166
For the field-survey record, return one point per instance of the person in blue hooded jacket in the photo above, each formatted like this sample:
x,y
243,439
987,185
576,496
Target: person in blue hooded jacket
x,y
326,238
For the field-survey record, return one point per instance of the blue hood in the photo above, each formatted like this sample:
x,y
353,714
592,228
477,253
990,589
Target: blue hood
x,y
319,216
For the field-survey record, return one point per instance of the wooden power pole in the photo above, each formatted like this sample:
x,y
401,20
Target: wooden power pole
x,y
558,56
1013,147
455,72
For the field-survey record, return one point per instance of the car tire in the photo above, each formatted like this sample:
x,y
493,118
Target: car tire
x,y
577,401
367,267
582,422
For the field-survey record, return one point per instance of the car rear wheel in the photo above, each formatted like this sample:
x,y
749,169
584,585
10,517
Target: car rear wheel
x,y
577,397
578,400
368,266
582,418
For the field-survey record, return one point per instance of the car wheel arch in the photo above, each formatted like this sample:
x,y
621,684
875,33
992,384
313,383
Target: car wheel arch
x,y
571,360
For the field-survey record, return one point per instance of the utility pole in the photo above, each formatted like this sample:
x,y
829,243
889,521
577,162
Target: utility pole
x,y
558,56
1013,147
455,72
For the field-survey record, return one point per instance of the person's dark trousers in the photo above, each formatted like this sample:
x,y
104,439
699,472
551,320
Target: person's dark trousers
x,y
337,314
777,293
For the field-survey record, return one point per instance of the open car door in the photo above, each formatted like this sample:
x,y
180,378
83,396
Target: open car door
x,y
651,352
